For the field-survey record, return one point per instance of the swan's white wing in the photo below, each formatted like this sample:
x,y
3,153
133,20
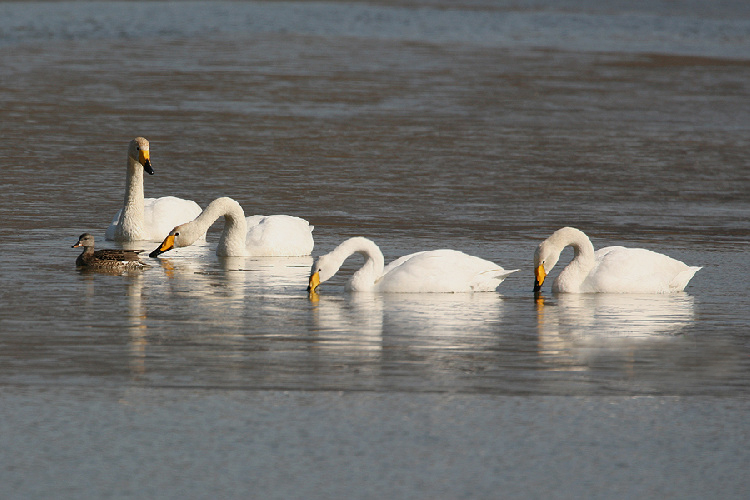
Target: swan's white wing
x,y
278,236
161,215
636,270
109,234
441,271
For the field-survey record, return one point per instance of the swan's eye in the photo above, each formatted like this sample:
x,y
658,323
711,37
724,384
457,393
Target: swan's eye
x,y
137,148
176,234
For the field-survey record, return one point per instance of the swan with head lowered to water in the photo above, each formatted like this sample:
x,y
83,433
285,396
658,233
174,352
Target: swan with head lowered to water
x,y
444,271
608,270
142,218
255,236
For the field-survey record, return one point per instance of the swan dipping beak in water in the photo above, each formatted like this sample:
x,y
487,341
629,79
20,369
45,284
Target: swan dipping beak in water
x,y
539,275
166,245
314,282
434,271
608,270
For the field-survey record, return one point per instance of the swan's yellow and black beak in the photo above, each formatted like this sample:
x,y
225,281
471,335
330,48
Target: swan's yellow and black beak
x,y
539,275
167,244
314,282
143,159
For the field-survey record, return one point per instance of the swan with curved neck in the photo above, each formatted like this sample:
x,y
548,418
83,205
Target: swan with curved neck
x,y
255,236
430,271
608,270
146,218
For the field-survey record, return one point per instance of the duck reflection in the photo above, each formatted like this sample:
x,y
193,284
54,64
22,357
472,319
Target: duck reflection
x,y
577,329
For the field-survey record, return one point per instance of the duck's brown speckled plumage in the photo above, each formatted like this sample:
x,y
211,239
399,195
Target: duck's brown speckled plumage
x,y
111,259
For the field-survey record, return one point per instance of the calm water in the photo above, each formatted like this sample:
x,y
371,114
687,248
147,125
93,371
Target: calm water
x,y
420,125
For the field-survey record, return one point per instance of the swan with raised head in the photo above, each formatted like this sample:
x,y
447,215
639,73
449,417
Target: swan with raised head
x,y
430,271
148,219
109,259
255,236
608,270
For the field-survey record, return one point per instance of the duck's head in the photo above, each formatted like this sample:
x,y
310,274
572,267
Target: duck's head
x,y
138,151
171,241
85,240
320,272
545,258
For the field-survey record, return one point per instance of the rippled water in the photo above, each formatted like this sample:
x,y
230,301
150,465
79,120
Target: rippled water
x,y
482,128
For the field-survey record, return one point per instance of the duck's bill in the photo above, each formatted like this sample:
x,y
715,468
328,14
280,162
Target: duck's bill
x,y
539,275
314,282
76,245
167,244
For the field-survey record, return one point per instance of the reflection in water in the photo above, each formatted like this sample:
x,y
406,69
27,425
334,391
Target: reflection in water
x,y
409,341
349,322
137,325
213,306
268,274
576,329
446,321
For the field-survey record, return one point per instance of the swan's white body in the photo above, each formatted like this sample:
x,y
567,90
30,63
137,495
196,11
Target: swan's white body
x,y
141,218
608,270
255,236
430,271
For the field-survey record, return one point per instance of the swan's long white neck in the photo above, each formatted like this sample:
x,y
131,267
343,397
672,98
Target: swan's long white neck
x,y
371,270
232,241
583,253
132,221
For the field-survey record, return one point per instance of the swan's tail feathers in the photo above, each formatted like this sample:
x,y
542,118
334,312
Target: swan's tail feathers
x,y
500,274
680,281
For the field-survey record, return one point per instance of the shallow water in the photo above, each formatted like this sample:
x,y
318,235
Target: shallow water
x,y
482,128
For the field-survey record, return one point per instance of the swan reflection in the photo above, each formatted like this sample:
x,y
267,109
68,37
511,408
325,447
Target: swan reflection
x,y
349,322
576,329
137,325
268,274
365,320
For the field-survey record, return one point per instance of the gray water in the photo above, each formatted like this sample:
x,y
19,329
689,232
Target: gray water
x,y
481,127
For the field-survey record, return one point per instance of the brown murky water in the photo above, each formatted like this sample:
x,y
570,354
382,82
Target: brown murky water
x,y
481,129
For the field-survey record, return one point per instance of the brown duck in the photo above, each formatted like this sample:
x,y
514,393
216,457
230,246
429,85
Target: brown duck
x,y
111,259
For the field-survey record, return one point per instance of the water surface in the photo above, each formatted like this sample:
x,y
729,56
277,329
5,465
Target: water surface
x,y
481,128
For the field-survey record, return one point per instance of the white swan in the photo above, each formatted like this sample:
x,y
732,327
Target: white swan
x,y
608,270
256,236
146,218
430,271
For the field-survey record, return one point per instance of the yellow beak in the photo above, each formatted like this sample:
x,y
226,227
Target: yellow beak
x,y
143,157
167,244
539,274
314,281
